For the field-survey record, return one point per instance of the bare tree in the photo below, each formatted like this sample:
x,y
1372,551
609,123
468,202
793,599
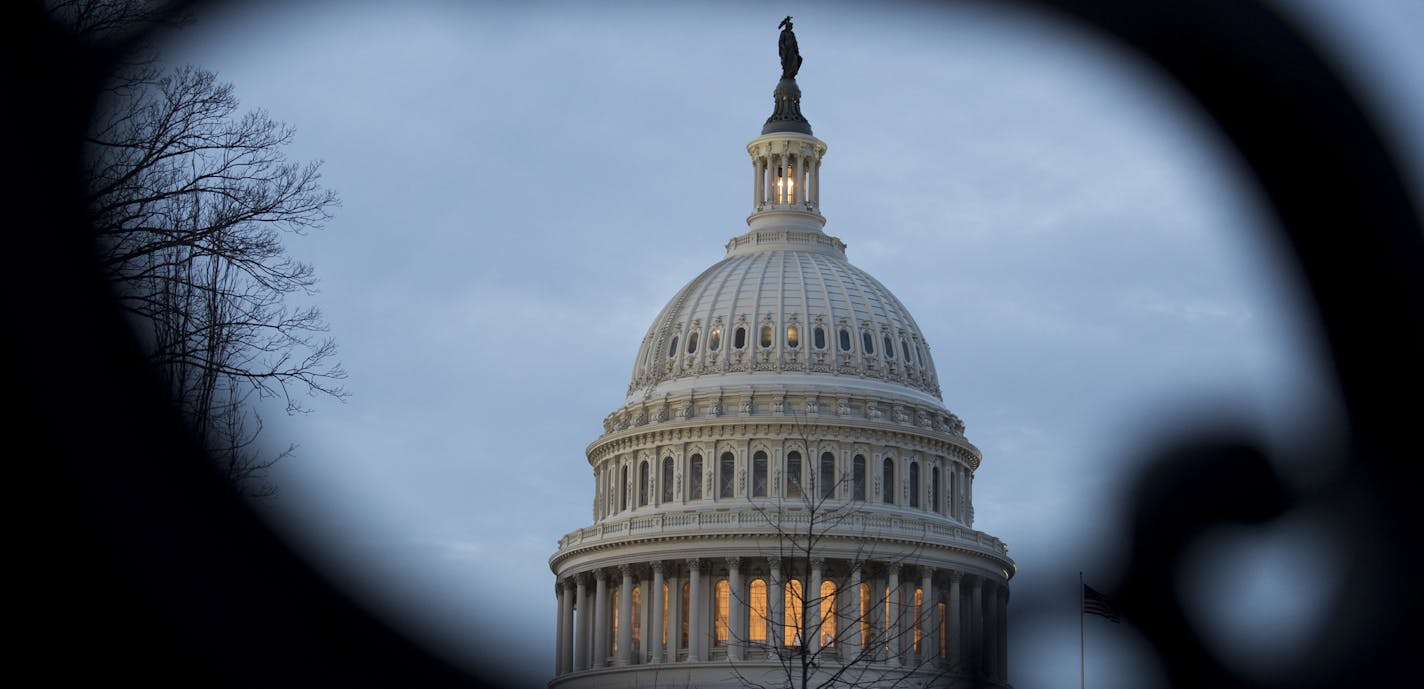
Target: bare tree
x,y
190,200
819,639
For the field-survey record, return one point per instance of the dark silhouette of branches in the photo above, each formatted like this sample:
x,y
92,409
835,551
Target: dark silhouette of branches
x,y
191,200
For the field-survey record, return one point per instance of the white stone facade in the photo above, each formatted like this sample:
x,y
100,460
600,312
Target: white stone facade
x,y
782,482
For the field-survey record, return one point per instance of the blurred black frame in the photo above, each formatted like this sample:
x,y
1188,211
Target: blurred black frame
x,y
138,563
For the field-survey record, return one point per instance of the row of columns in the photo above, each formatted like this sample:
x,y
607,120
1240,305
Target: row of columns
x,y
803,169
973,619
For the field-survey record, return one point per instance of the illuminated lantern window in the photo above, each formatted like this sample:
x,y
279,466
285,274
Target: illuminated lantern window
x,y
793,336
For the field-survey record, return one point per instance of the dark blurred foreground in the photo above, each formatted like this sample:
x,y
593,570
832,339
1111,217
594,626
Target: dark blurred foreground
x,y
139,563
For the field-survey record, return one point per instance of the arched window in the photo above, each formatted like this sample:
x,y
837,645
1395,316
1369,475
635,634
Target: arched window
x,y
905,349
818,337
613,621
887,481
793,474
866,606
665,615
727,473
686,612
765,336
794,600
943,629
759,474
889,348
720,608
828,614
643,484
667,479
919,615
793,336
672,348
623,489
934,489
845,340
739,338
635,619
857,478
694,478
692,342
757,633
714,339
867,342
914,484
827,478
953,491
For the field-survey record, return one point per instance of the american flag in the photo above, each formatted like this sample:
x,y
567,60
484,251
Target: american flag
x,y
1095,603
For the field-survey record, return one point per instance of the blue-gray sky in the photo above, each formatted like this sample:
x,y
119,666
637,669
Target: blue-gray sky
x,y
524,186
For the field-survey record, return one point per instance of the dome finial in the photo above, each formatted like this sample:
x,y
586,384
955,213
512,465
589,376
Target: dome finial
x,y
787,116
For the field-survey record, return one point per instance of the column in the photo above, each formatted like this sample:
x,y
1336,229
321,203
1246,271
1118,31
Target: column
x,y
656,633
976,625
582,618
559,643
695,640
756,182
775,601
566,629
929,631
952,623
850,638
736,610
816,184
991,630
893,628
600,619
1003,629
674,615
768,166
813,612
625,617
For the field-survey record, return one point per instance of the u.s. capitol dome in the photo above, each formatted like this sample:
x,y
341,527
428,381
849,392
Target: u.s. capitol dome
x,y
782,487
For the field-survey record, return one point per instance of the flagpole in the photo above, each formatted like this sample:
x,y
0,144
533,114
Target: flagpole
x,y
1082,643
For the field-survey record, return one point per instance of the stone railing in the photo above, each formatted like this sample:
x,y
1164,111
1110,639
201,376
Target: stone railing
x,y
754,522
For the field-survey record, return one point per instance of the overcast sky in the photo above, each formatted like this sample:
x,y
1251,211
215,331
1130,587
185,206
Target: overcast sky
x,y
525,187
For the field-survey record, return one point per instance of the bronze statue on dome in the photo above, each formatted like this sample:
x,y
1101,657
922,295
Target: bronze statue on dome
x,y
786,46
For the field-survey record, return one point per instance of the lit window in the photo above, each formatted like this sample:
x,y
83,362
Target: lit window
x,y
692,342
672,348
919,615
793,336
765,336
686,613
818,337
845,340
635,618
865,609
794,601
867,343
828,614
758,611
613,621
714,339
943,630
793,474
739,338
759,475
719,611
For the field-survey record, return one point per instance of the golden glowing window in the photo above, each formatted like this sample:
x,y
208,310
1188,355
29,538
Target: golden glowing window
x,y
828,614
793,336
766,336
794,601
943,630
613,621
758,611
714,339
865,608
720,611
636,617
919,615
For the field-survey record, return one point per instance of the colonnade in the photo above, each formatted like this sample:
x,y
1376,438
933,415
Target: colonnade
x,y
893,614
786,178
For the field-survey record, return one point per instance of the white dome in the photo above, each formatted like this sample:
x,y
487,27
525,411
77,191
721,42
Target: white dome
x,y
784,301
